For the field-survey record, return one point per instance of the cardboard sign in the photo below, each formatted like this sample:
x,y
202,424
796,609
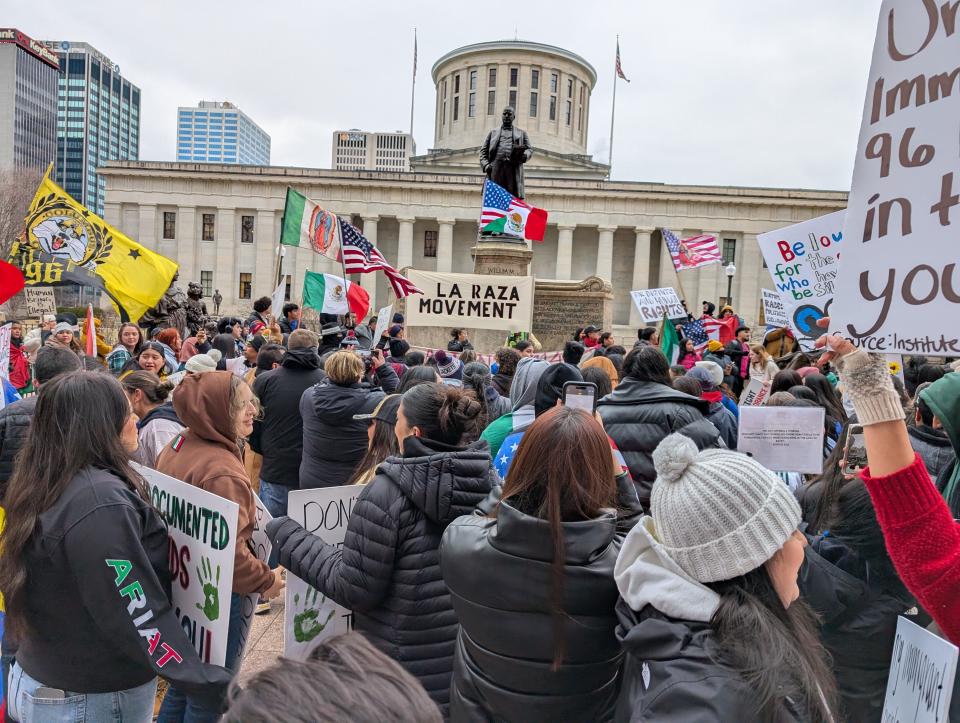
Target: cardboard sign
x,y
755,395
922,672
471,300
261,548
40,300
774,311
654,303
803,260
310,617
203,529
899,284
5,331
783,439
384,317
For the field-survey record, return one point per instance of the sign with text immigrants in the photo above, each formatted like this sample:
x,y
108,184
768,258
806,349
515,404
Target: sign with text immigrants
x,y
898,290
473,301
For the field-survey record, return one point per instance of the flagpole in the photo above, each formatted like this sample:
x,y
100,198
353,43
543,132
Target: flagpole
x,y
613,110
413,84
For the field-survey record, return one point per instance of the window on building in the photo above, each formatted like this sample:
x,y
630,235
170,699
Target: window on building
x,y
456,108
553,107
492,78
513,99
471,105
554,82
534,78
206,282
287,289
473,80
456,83
725,301
533,104
246,286
729,250
569,112
169,224
569,87
491,102
246,229
208,226
430,244
580,118
514,77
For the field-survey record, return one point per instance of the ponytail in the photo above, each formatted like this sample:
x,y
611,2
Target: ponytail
x,y
153,389
442,412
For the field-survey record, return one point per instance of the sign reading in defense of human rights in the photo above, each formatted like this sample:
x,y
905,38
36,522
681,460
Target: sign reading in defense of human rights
x,y
898,290
202,528
654,303
473,301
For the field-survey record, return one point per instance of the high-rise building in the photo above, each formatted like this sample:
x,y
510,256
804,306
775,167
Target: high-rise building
x,y
98,120
219,132
28,101
356,150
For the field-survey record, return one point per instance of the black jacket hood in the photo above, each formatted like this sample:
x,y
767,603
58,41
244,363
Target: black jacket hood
x,y
301,358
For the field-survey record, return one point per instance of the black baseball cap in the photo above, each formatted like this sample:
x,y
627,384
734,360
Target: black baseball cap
x,y
385,411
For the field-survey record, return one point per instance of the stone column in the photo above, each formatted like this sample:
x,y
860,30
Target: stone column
x,y
565,252
641,269
405,243
111,214
445,245
369,281
148,226
265,252
188,243
226,275
605,253
666,274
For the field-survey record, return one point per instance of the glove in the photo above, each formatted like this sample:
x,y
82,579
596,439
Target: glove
x,y
867,382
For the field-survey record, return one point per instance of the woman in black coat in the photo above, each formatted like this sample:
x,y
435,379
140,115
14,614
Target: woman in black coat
x,y
537,638
388,569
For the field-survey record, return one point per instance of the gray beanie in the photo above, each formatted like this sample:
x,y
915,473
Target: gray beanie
x,y
200,363
719,514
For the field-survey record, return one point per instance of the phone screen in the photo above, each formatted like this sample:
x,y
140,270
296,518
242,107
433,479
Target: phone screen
x,y
580,396
855,453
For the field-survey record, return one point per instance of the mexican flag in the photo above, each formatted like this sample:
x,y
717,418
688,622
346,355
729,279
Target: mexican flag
x,y
306,224
505,214
328,294
669,341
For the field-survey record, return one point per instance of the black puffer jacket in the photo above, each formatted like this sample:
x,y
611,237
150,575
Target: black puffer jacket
x,y
388,569
506,643
15,422
333,441
638,415
858,623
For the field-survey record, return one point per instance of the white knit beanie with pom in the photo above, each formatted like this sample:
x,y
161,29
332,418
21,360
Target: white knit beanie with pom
x,y
719,514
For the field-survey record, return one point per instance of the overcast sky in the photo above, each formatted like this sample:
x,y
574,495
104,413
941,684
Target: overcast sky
x,y
750,92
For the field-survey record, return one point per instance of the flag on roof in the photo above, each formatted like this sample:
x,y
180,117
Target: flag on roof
x,y
505,214
620,67
362,257
693,252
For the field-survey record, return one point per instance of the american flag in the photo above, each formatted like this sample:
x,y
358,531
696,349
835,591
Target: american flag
x,y
620,67
697,332
497,201
693,252
362,257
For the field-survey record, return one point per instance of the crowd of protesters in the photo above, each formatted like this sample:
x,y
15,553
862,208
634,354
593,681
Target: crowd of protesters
x,y
510,557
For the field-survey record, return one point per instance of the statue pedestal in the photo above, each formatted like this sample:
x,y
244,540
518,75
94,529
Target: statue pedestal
x,y
501,256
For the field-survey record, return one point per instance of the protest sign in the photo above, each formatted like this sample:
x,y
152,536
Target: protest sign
x,y
784,439
654,303
384,317
5,331
922,672
774,311
276,301
310,617
755,394
471,300
202,528
899,286
261,548
803,260
40,300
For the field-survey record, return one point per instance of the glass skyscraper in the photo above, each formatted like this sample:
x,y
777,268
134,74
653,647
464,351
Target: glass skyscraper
x,y
28,102
98,120
216,132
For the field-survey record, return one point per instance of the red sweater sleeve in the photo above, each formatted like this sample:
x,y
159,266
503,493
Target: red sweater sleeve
x,y
923,540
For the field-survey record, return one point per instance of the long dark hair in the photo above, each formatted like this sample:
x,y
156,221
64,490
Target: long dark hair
x,y
776,650
827,396
417,375
76,425
646,364
443,413
562,472
784,379
477,379
830,481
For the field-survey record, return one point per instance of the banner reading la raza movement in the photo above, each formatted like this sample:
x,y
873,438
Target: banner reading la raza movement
x,y
471,300
898,290
202,528
310,617
803,260
654,303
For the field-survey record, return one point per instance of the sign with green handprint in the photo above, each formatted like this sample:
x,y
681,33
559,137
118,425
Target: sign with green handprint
x,y
310,616
202,529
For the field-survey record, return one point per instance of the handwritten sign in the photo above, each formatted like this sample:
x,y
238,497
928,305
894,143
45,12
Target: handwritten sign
x,y
471,300
202,528
784,439
803,260
755,394
899,285
384,317
922,672
261,548
40,300
774,311
654,303
310,617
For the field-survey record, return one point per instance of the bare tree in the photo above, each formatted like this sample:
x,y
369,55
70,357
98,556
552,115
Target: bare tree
x,y
17,188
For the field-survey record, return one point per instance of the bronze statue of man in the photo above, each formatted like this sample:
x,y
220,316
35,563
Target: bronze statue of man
x,y
503,154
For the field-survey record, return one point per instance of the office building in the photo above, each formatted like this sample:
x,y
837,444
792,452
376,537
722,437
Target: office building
x,y
356,150
98,119
28,101
219,132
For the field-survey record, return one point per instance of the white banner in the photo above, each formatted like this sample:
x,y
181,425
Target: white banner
x,y
40,300
5,332
384,317
754,394
654,303
203,530
899,285
922,672
784,439
310,617
774,312
471,300
261,548
276,301
803,261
